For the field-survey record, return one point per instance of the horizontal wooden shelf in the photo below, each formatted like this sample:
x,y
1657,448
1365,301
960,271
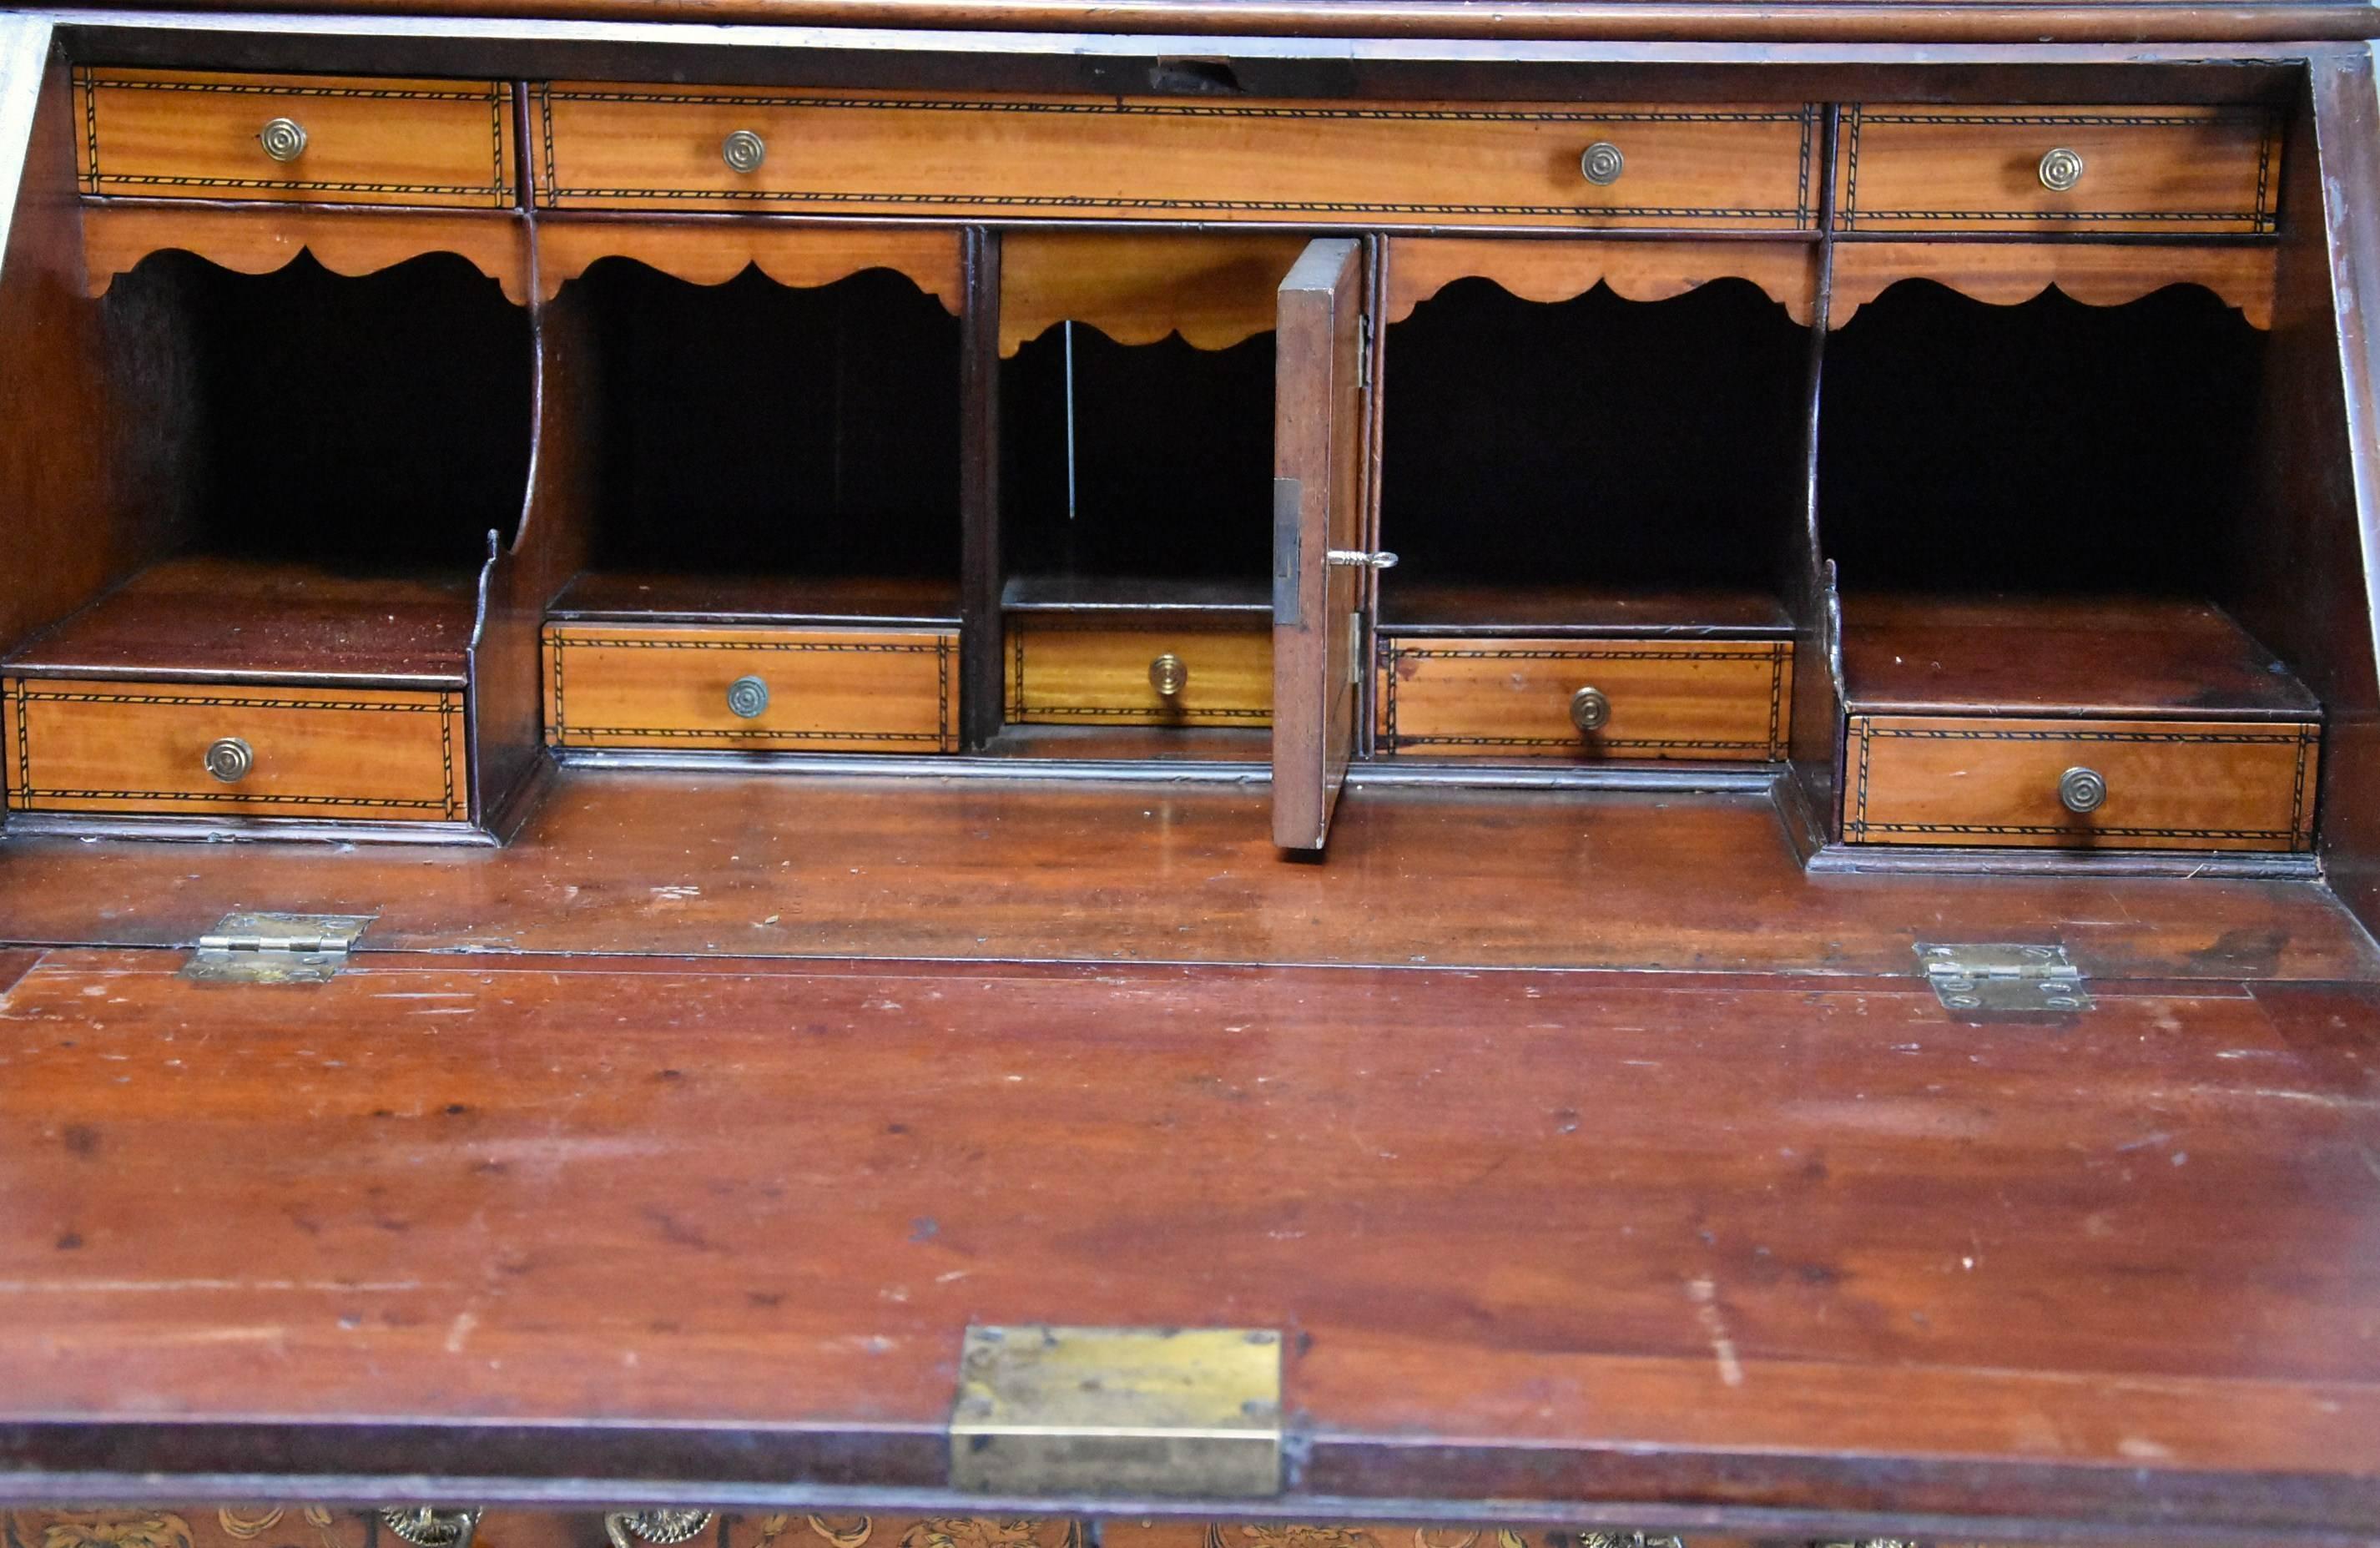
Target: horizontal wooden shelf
x,y
1424,608
1135,594
614,596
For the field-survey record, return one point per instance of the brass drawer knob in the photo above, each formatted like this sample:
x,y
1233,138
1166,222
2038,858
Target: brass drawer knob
x,y
429,1527
1589,709
743,151
229,759
2082,791
628,1527
748,698
2060,170
1602,164
1169,675
283,139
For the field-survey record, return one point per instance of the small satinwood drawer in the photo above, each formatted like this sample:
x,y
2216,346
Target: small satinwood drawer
x,y
2078,169
1062,674
1589,699
334,140
777,690
2084,785
977,155
204,750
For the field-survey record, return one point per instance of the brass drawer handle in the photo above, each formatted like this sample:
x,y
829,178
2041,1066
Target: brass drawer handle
x,y
2082,791
743,151
748,698
1590,708
428,1527
229,759
627,1528
2060,170
1602,164
1169,675
283,139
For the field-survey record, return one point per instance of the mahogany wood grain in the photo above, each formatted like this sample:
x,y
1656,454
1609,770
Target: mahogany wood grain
x,y
2101,274
1916,167
833,691
368,754
433,1187
983,645
168,134
1648,269
1099,673
616,596
1137,287
1510,698
118,235
1441,608
991,155
714,251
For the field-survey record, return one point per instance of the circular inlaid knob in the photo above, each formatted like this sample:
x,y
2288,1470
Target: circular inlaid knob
x,y
627,1528
1602,164
2082,791
429,1527
748,698
1169,675
743,151
1590,708
2060,170
283,139
229,759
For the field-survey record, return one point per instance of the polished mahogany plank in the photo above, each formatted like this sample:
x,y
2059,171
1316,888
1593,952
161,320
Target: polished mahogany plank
x,y
640,596
1710,1243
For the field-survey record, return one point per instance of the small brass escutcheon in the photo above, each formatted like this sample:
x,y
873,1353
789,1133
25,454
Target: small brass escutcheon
x,y
229,759
1169,675
2060,170
743,151
283,139
1602,164
2082,791
1590,710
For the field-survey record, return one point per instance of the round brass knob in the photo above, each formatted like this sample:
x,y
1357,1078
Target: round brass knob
x,y
1602,164
743,151
283,139
2060,170
229,759
429,1527
748,698
1169,675
2082,791
1589,709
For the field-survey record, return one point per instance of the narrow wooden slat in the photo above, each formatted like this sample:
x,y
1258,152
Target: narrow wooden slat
x,y
117,237
712,252
1648,269
2007,272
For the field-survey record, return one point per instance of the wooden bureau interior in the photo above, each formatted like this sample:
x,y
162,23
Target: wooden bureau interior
x,y
1679,521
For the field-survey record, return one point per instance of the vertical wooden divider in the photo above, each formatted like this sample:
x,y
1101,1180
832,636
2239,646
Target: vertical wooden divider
x,y
1814,747
980,639
1376,297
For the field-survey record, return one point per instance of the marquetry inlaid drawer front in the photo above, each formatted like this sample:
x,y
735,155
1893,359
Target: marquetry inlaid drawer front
x,y
983,155
1584,699
205,749
320,140
755,689
1060,674
2086,170
2085,784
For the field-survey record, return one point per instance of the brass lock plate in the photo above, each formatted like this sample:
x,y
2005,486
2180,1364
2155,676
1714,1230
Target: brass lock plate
x,y
1177,1412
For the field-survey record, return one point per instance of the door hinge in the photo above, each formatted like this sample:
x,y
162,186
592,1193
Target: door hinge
x,y
2003,977
1364,352
275,948
1121,1412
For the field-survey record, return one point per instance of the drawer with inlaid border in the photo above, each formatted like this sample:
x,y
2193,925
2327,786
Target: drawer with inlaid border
x,y
697,685
337,140
1147,674
210,750
1584,699
2086,170
993,156
2082,784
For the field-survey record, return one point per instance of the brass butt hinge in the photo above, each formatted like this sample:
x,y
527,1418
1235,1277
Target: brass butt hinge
x,y
1118,1412
2004,978
275,948
1364,352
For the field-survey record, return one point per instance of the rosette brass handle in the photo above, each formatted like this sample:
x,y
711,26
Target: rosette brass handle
x,y
743,151
229,759
1590,708
426,1526
2060,170
2082,791
1169,675
628,1527
283,139
1601,164
748,698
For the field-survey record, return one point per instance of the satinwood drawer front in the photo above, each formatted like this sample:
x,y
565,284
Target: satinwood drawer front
x,y
327,139
2078,169
783,689
1587,699
984,156
1059,675
207,750
2087,785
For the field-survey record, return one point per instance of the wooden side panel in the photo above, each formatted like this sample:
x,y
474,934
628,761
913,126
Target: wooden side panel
x,y
993,156
91,746
1698,698
176,135
117,236
1932,168
830,690
1063,676
2211,785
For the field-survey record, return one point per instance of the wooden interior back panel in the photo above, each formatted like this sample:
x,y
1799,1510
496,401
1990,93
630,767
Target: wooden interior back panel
x,y
1678,698
369,140
1059,675
997,157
